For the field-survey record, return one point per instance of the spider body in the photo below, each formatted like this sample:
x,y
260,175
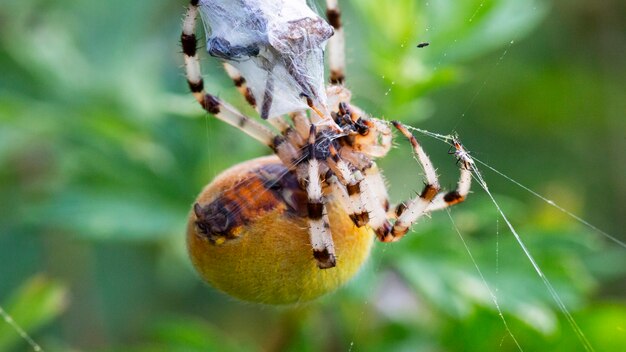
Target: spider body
x,y
248,236
292,227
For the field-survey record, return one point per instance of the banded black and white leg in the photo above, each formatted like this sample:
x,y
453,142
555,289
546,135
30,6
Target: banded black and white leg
x,y
240,83
209,102
430,198
351,191
377,203
278,122
336,44
444,200
362,193
319,227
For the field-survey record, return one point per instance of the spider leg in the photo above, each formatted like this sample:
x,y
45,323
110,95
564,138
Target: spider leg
x,y
377,204
319,228
209,102
364,196
376,182
336,44
352,182
240,83
301,123
415,208
289,132
382,147
444,200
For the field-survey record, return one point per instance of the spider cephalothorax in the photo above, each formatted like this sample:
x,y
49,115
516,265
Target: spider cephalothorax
x,y
262,230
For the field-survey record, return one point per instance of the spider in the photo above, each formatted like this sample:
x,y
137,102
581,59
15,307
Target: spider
x,y
296,225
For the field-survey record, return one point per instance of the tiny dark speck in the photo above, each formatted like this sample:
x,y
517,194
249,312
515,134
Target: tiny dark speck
x,y
423,45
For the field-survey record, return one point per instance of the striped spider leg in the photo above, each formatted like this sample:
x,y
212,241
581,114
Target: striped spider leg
x,y
333,147
240,83
285,145
336,44
209,102
431,198
466,163
373,193
319,227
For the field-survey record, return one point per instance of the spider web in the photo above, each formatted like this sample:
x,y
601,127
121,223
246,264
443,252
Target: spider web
x,y
481,182
478,177
555,295
19,330
278,46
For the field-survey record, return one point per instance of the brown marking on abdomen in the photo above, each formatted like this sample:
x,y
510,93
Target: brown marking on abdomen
x,y
261,190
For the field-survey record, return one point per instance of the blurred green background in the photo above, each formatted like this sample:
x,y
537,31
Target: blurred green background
x,y
102,151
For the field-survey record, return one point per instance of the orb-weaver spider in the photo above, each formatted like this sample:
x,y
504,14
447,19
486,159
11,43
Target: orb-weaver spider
x,y
251,229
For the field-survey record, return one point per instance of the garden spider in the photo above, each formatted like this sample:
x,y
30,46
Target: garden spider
x,y
325,149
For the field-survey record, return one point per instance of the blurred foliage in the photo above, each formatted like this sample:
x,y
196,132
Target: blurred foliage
x,y
35,304
102,151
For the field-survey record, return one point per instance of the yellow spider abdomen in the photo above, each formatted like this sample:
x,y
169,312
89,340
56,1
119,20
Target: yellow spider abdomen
x,y
248,237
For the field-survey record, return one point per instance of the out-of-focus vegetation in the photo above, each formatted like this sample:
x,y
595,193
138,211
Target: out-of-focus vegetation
x,y
102,152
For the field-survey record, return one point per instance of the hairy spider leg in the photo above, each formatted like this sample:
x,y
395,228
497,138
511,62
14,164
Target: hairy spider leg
x,y
416,207
373,139
376,181
319,227
444,200
381,147
300,119
336,44
365,192
352,181
240,83
431,198
209,102
376,203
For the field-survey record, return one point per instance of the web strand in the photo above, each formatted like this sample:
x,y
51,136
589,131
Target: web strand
x,y
484,84
9,320
579,333
555,205
482,277
555,296
448,138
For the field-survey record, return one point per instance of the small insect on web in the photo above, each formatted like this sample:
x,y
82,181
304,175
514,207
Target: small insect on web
x,y
318,202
